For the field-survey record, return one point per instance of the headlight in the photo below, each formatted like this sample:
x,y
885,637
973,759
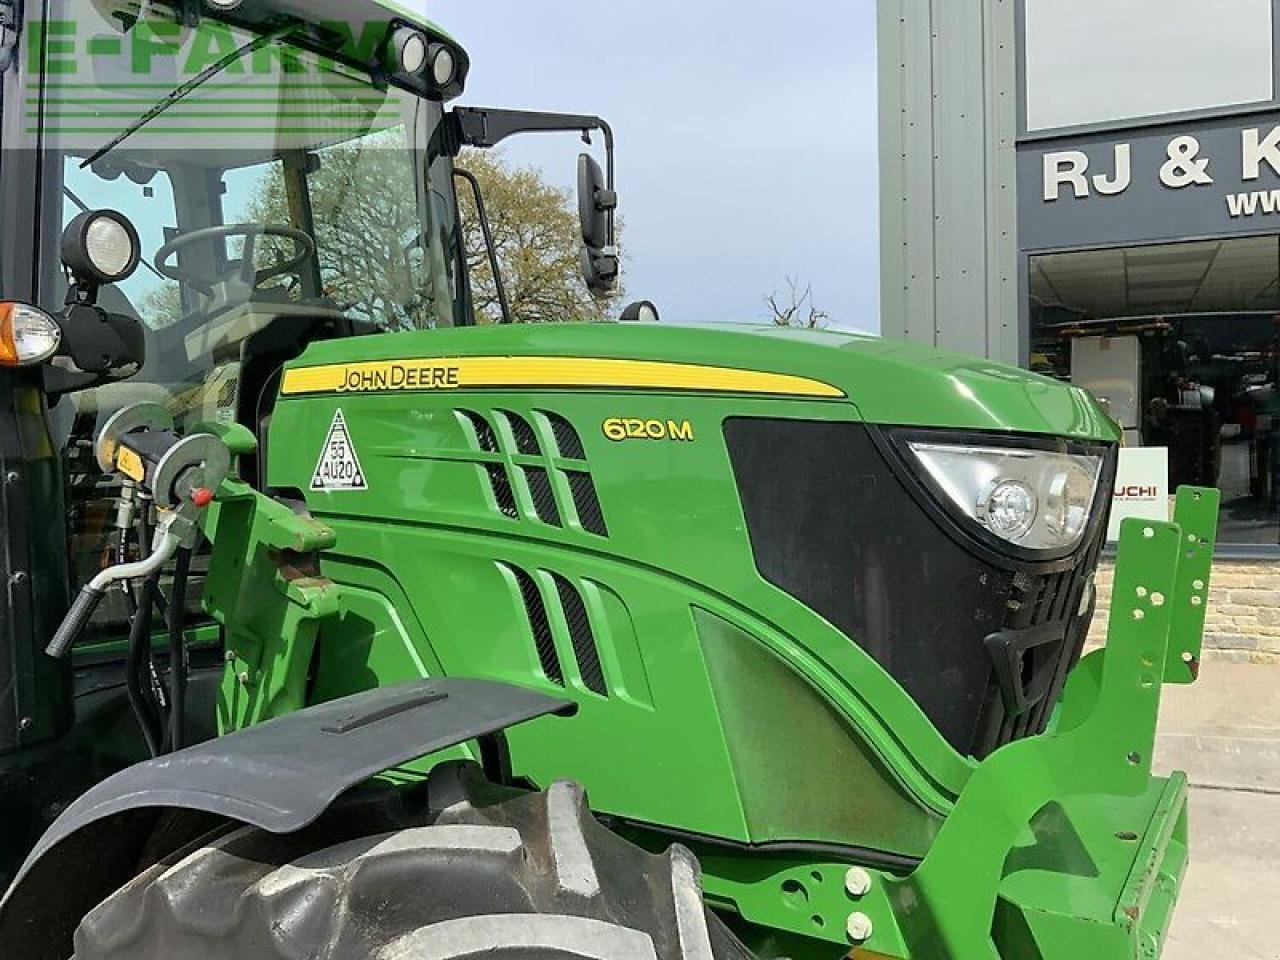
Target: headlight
x,y
27,335
1037,499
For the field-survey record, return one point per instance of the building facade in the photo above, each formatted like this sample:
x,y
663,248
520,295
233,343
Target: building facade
x,y
1092,190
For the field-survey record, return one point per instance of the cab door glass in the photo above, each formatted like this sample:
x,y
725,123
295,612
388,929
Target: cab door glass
x,y
91,498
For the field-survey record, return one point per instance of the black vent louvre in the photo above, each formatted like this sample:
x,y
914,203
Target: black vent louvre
x,y
587,503
567,440
502,491
485,436
544,499
539,626
526,439
584,641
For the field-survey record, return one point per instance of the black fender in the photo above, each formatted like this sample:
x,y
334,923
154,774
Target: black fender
x,y
280,776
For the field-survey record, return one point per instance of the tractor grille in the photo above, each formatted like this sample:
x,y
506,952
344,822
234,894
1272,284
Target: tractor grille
x,y
1043,602
534,465
981,642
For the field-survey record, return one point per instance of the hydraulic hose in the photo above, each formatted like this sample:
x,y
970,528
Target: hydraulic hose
x,y
93,592
138,665
178,649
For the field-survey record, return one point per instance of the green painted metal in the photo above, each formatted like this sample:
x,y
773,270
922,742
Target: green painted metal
x,y
733,717
887,381
1085,775
1197,512
268,606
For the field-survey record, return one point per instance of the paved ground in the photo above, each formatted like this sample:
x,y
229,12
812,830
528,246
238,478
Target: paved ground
x,y
1225,732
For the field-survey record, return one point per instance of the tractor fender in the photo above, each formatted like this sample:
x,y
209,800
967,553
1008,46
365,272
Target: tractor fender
x,y
279,776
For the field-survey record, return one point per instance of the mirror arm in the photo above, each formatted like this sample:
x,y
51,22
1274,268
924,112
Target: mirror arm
x,y
485,128
483,215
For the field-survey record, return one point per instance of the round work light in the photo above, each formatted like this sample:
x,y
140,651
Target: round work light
x,y
101,246
444,66
409,49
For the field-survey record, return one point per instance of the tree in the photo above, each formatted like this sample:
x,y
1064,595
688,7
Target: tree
x,y
161,306
798,309
536,235
376,262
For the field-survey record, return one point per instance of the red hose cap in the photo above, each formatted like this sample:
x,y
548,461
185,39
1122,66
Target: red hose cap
x,y
202,497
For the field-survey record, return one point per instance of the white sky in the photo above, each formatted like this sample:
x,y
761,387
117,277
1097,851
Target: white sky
x,y
746,137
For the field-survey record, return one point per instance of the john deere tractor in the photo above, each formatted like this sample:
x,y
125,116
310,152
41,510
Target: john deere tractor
x,y
337,625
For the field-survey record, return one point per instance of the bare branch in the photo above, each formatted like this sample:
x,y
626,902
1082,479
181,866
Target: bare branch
x,y
797,309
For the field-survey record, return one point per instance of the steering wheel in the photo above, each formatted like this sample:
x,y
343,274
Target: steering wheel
x,y
247,274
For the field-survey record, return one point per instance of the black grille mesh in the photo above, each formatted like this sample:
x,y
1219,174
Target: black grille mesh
x,y
547,505
526,439
502,491
485,437
544,498
567,439
539,626
585,501
580,634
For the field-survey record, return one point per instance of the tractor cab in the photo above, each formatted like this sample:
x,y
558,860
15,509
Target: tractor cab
x,y
282,183
285,174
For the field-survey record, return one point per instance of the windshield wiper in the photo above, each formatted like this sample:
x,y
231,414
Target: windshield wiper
x,y
180,93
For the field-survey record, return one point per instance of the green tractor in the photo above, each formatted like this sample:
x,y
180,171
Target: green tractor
x,y
399,636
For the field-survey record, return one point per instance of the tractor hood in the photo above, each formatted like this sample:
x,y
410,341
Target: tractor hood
x,y
889,382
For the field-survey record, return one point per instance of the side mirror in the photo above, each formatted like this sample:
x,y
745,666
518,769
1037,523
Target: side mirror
x,y
98,248
599,270
596,205
595,202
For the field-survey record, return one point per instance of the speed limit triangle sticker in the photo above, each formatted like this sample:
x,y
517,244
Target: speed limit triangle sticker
x,y
339,467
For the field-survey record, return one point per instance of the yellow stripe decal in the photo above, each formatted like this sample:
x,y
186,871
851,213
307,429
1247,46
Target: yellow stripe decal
x,y
478,373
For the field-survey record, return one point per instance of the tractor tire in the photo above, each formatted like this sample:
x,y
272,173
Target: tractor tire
x,y
532,875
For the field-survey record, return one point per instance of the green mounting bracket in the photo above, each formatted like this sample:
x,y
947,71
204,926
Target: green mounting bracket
x,y
1098,757
1196,514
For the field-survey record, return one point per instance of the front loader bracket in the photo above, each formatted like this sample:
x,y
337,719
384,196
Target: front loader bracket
x,y
1091,769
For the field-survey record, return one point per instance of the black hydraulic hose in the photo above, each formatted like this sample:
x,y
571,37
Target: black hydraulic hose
x,y
178,649
138,667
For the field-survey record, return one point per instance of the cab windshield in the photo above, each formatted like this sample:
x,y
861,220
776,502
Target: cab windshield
x,y
279,197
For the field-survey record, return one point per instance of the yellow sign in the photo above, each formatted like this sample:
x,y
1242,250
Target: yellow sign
x,y
479,373
130,464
